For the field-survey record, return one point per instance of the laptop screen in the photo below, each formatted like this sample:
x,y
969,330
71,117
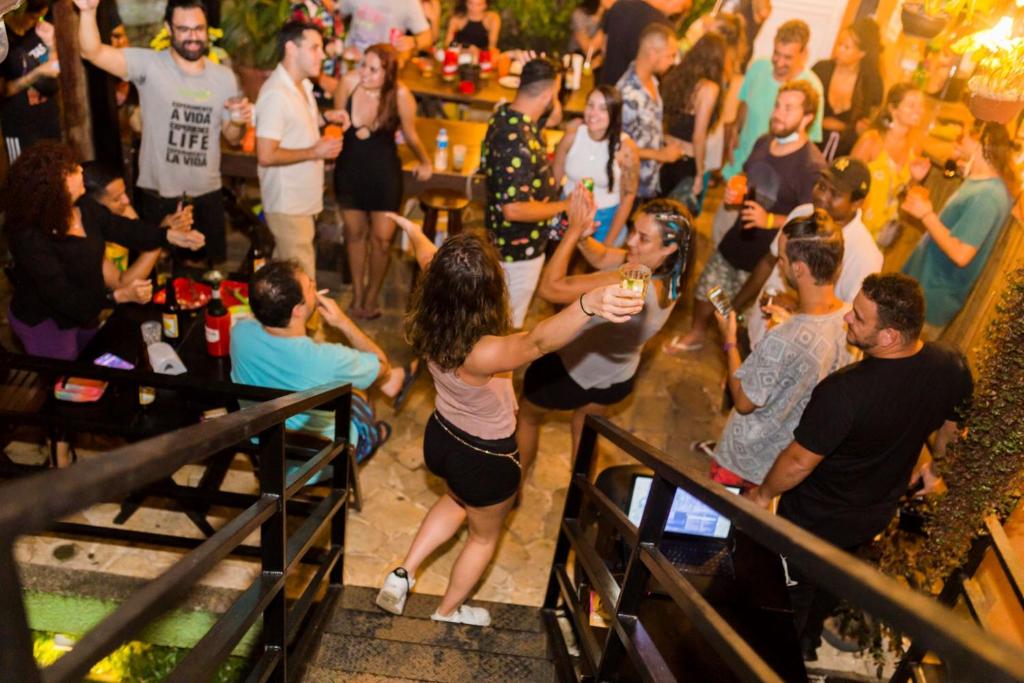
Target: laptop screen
x,y
688,515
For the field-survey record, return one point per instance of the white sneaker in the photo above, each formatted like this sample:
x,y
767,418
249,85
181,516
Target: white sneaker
x,y
472,616
395,590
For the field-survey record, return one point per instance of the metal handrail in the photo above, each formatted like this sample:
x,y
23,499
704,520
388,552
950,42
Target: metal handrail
x,y
969,651
31,506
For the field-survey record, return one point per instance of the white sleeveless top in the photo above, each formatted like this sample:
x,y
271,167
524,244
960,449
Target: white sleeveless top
x,y
589,159
605,353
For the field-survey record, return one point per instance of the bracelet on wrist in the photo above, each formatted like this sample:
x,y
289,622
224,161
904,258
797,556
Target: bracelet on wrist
x,y
728,346
582,308
770,223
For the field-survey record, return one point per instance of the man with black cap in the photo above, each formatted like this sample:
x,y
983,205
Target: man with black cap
x,y
522,195
840,191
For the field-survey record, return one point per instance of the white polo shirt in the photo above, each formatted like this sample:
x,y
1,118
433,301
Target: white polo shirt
x,y
286,113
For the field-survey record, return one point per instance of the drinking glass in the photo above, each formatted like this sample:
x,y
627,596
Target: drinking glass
x,y
151,331
635,277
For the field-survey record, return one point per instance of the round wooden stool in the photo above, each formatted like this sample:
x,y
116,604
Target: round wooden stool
x,y
433,202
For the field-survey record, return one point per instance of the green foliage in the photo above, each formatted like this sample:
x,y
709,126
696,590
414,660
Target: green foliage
x,y
135,662
984,469
534,24
250,30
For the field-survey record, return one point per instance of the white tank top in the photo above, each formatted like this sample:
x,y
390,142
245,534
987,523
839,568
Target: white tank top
x,y
589,159
606,353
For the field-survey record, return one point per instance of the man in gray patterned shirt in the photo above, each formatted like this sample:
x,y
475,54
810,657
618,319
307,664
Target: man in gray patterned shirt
x,y
771,388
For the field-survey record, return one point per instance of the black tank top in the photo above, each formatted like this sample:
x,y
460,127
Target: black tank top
x,y
473,33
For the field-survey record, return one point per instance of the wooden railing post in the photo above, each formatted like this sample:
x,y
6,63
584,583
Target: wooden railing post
x,y
344,476
16,658
273,545
571,509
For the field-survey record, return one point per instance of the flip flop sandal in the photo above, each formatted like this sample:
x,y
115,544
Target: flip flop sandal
x,y
707,447
384,429
676,350
412,373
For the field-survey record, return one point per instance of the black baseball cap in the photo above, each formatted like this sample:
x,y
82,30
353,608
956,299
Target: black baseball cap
x,y
849,175
539,69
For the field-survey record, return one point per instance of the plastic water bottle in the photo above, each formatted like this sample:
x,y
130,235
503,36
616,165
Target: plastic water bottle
x,y
441,153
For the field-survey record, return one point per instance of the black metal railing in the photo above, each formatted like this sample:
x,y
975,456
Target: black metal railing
x,y
35,504
968,653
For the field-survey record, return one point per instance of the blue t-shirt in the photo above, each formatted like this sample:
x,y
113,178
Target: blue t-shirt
x,y
758,92
974,215
296,364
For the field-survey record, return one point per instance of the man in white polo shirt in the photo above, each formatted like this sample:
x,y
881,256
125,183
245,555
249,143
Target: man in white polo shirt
x,y
290,149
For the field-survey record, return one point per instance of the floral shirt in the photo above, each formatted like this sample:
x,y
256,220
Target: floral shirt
x,y
516,166
642,120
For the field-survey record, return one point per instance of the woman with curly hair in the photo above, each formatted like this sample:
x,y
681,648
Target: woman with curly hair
x,y
459,322
693,93
595,147
368,174
61,280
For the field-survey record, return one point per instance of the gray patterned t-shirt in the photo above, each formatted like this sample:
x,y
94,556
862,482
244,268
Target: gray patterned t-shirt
x,y
779,375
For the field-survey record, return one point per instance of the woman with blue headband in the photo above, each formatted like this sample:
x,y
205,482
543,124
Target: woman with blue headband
x,y
597,369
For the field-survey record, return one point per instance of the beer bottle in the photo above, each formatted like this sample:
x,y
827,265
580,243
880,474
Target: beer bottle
x,y
171,314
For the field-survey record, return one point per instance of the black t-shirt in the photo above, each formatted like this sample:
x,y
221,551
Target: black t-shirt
x,y
60,277
33,113
782,184
870,421
622,26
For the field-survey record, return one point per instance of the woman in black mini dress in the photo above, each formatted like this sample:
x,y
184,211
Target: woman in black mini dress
x,y
368,174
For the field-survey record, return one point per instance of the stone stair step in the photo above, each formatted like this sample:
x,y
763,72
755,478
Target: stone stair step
x,y
494,639
315,674
344,654
419,606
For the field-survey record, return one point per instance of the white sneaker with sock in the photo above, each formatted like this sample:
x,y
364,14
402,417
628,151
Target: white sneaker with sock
x,y
395,590
472,616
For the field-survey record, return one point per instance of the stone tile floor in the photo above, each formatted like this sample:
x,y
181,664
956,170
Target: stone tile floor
x,y
676,401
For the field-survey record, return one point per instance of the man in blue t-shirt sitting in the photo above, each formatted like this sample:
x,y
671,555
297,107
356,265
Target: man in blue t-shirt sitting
x,y
274,351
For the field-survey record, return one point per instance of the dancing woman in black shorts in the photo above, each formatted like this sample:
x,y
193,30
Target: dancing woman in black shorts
x,y
459,323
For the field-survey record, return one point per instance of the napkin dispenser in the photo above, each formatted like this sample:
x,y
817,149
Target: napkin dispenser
x,y
164,360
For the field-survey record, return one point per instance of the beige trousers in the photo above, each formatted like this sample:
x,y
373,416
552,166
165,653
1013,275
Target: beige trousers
x,y
293,237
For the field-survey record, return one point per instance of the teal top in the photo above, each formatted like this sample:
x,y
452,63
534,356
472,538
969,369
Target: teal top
x,y
974,215
758,92
298,363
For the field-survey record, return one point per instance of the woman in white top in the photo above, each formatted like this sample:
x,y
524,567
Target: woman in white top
x,y
596,148
598,367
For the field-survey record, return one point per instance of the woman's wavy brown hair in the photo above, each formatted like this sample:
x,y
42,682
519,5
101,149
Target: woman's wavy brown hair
x,y
36,195
387,108
460,297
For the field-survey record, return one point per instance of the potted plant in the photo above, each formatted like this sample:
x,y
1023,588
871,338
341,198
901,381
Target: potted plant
x,y
997,85
250,37
923,19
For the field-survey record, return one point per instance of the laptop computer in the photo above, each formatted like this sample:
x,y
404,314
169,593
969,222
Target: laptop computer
x,y
697,539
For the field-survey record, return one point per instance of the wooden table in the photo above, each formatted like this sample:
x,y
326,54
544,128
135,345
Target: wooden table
x,y
489,94
237,164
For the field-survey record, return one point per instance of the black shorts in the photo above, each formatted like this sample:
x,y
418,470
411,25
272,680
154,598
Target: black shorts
x,y
547,384
479,472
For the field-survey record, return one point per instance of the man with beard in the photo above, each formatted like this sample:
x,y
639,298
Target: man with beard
x,y
522,195
781,172
771,387
188,102
761,84
840,191
854,452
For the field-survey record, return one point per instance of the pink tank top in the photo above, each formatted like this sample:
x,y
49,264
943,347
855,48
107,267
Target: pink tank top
x,y
487,411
